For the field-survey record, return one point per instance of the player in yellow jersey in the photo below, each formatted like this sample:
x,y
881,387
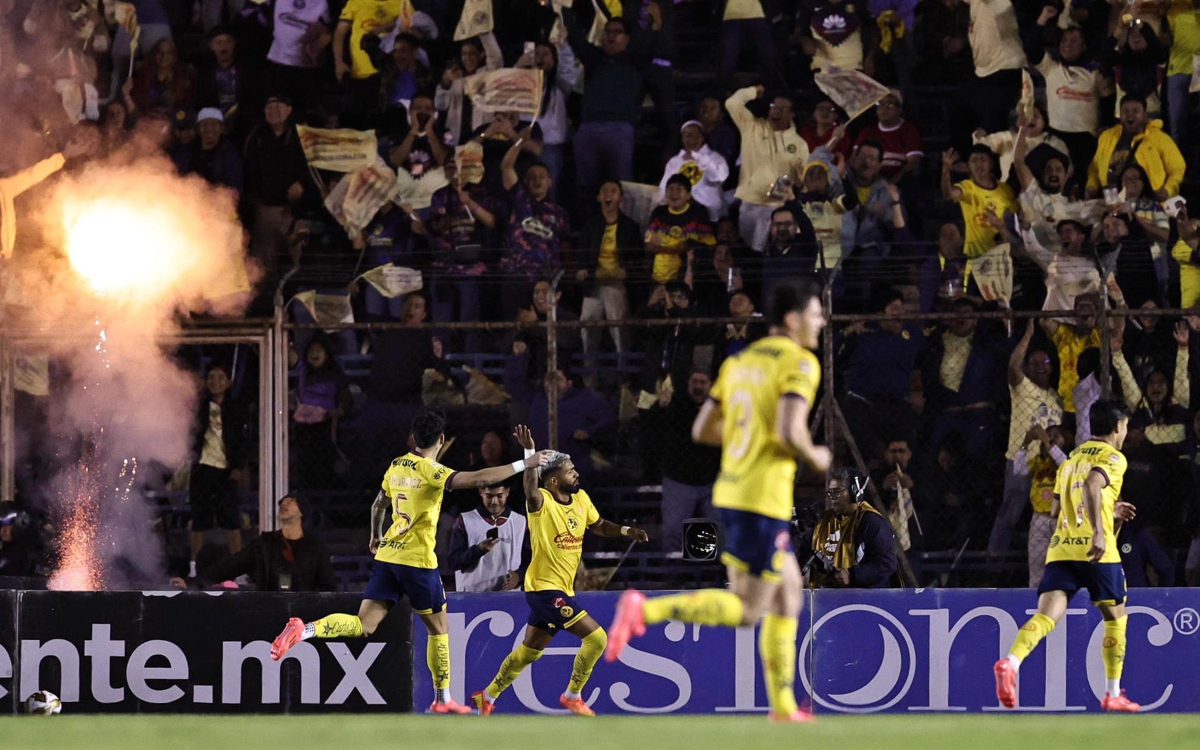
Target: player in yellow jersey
x,y
559,513
1083,554
758,412
405,563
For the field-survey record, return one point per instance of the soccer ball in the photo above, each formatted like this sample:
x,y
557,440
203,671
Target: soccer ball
x,y
43,703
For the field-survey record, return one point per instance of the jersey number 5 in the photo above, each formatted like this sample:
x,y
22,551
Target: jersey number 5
x,y
403,521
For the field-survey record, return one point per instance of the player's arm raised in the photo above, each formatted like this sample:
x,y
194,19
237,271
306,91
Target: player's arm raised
x,y
791,427
487,477
709,424
608,528
1092,486
379,510
533,498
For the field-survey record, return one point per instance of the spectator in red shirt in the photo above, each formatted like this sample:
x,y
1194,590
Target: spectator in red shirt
x,y
826,116
901,139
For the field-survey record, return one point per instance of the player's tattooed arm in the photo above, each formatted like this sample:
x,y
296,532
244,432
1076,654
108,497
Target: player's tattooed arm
x,y
608,528
379,510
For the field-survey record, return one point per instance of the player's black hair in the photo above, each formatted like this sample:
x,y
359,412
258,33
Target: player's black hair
x,y
1105,415
792,295
428,427
853,480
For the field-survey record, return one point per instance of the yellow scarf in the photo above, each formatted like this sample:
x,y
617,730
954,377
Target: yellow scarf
x,y
835,535
890,27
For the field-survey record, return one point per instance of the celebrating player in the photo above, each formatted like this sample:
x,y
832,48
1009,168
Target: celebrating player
x,y
558,513
1083,554
405,563
758,411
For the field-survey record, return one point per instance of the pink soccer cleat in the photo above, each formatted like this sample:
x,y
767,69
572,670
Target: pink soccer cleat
x,y
799,716
292,634
449,707
1006,683
628,623
1119,703
576,706
483,706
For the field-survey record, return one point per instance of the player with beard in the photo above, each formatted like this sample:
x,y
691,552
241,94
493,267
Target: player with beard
x,y
559,513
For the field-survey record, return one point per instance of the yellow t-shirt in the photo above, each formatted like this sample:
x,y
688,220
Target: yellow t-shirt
x,y
1185,36
556,536
369,17
975,203
741,10
415,485
1073,530
606,265
1070,345
757,471
1043,474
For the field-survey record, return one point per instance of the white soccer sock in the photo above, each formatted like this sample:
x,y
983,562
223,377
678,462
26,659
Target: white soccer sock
x,y
1113,687
441,695
570,696
192,569
1015,661
310,631
489,697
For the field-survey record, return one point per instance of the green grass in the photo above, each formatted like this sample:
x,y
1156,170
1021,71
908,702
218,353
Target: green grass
x,y
351,732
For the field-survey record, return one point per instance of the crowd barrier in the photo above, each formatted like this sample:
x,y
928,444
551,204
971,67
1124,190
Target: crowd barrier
x,y
860,652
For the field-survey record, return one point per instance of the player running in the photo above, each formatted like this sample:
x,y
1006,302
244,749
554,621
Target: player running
x,y
758,413
558,513
405,563
1083,554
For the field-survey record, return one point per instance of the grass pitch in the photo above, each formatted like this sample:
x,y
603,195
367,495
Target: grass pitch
x,y
348,732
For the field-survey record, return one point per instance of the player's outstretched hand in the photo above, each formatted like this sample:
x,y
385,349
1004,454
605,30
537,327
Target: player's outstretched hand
x,y
821,458
1096,551
541,458
524,437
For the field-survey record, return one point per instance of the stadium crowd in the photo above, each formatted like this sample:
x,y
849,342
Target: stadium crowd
x,y
1027,155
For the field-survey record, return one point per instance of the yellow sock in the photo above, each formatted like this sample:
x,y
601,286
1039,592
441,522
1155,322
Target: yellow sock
x,y
589,653
1113,652
1032,633
515,663
707,607
337,626
777,649
437,656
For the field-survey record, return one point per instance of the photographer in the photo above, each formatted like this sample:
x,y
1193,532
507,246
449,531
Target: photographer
x,y
853,545
486,544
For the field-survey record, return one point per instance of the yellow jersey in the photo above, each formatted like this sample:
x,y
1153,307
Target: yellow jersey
x,y
370,17
414,484
1073,529
757,471
556,536
975,203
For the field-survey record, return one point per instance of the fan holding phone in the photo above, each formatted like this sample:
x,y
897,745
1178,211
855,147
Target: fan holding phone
x,y
486,544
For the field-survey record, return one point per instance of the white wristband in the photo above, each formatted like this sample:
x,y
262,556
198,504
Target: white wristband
x,y
624,531
518,466
529,452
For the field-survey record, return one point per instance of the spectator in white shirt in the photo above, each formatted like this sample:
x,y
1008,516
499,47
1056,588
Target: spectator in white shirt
x,y
486,544
300,34
705,168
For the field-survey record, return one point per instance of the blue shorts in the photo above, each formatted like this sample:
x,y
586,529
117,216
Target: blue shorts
x,y
553,610
1105,582
423,586
755,543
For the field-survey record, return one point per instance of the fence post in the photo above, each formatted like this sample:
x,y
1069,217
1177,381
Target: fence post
x,y
552,365
8,423
1105,347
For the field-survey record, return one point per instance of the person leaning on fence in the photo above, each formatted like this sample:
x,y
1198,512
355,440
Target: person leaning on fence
x,y
688,468
1045,451
487,542
221,450
852,542
1034,403
283,560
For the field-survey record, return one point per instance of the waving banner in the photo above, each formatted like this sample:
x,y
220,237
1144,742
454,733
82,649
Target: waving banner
x,y
852,90
476,19
341,150
506,90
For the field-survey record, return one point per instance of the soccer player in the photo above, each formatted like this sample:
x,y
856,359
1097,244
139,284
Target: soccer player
x,y
405,563
1083,554
559,513
758,412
